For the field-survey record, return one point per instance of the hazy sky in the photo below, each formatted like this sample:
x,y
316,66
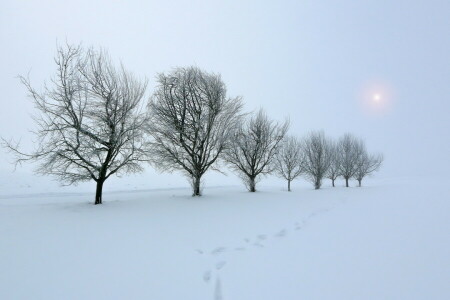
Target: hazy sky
x,y
315,61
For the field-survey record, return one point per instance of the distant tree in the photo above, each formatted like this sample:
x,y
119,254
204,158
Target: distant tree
x,y
367,164
349,148
254,146
191,122
317,159
288,162
335,162
89,125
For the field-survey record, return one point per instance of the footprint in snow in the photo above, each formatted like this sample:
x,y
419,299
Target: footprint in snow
x,y
220,265
218,290
239,249
258,244
282,233
262,236
207,276
247,240
323,210
311,215
199,251
218,250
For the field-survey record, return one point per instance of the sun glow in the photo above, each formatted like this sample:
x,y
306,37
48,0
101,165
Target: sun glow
x,y
376,98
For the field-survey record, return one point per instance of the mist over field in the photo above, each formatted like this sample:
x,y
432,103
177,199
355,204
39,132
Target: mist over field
x,y
378,70
315,62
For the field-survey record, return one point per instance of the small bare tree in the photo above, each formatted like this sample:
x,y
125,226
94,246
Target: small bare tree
x,y
254,146
367,164
316,153
191,122
333,170
349,148
89,121
289,160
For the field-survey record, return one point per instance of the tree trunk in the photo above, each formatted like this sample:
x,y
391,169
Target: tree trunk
x,y
346,182
289,185
359,182
332,181
196,186
317,184
98,192
252,184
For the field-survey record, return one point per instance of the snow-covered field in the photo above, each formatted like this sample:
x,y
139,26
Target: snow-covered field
x,y
387,240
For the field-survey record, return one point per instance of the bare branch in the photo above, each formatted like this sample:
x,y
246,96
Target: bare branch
x,y
89,120
289,160
367,164
349,148
254,146
191,122
317,158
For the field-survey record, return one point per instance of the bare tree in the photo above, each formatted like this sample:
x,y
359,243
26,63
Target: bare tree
x,y
333,170
349,148
254,146
191,122
289,160
316,153
367,164
89,121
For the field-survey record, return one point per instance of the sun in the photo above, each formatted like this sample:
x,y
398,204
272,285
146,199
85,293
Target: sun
x,y
376,97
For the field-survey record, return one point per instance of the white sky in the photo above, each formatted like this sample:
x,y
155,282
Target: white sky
x,y
314,61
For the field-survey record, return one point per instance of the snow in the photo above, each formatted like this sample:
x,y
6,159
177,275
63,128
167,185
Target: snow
x,y
387,240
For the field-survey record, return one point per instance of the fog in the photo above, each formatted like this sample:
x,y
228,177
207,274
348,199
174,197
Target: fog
x,y
321,63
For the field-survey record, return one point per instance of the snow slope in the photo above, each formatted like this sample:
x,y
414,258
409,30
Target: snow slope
x,y
388,240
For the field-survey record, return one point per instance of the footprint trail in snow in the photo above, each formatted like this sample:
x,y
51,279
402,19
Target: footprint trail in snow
x,y
257,242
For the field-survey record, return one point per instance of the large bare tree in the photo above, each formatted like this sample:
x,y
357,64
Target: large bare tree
x,y
191,122
316,153
289,160
367,164
349,148
89,121
335,162
254,146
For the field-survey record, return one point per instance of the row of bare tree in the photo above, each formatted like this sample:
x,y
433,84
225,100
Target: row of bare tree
x,y
94,121
318,157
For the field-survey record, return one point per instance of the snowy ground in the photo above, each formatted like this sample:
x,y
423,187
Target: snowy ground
x,y
388,240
